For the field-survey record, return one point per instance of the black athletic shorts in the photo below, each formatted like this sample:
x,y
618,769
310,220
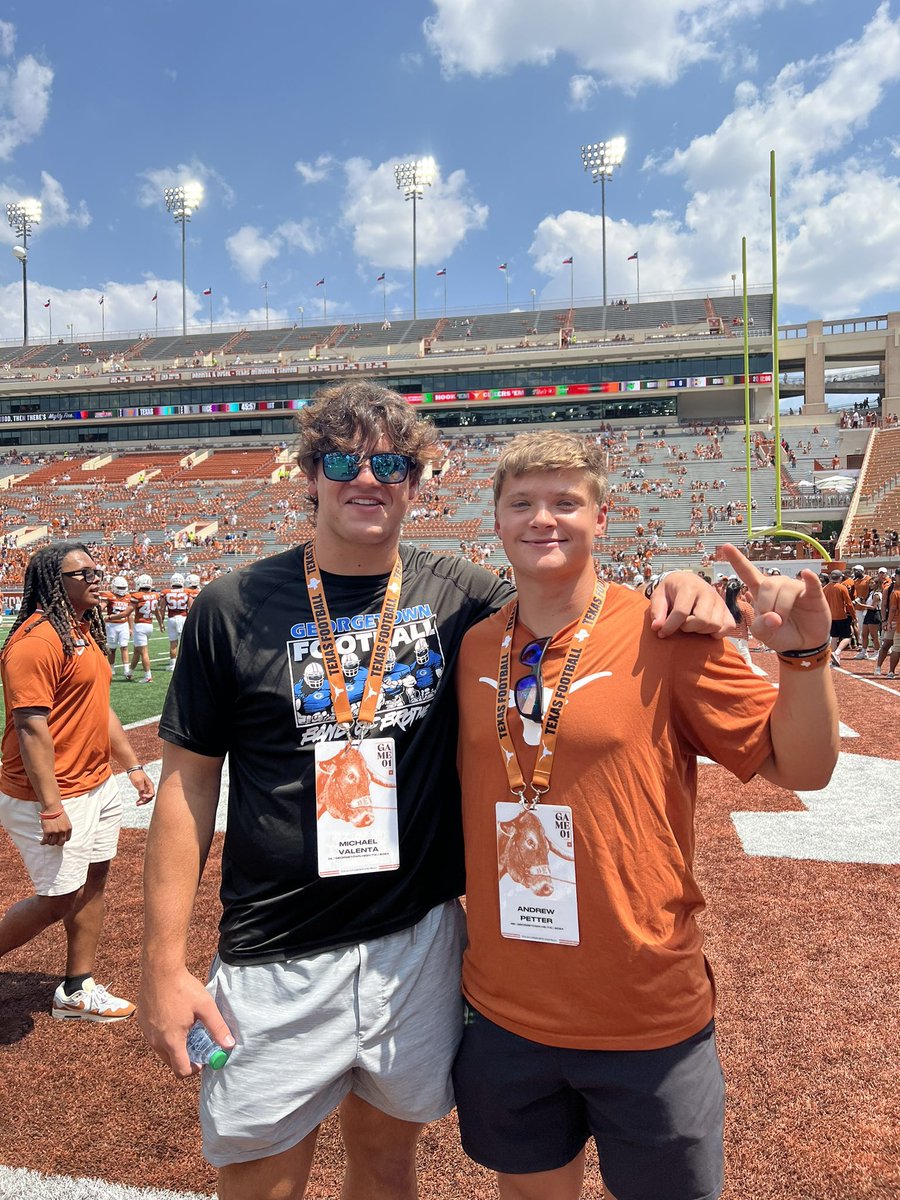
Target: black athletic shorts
x,y
656,1115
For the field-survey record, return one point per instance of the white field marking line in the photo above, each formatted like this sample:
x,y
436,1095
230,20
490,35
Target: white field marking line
x,y
146,721
869,680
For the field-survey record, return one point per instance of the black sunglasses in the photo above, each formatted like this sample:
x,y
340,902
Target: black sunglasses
x,y
387,467
88,574
529,690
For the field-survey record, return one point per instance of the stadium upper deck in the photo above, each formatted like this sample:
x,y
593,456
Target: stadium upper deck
x,y
658,359
680,359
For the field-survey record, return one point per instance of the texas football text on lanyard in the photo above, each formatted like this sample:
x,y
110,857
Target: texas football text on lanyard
x,y
536,904
356,777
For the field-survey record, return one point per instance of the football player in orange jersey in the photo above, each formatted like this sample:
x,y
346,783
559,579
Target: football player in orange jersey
x,y
118,612
174,604
146,607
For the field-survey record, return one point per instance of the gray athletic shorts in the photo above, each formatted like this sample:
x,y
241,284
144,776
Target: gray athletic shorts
x,y
381,1019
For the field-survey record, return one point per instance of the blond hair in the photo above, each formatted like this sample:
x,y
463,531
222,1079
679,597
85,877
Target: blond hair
x,y
551,451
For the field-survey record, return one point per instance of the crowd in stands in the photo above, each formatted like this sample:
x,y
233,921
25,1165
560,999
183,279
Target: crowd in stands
x,y
225,508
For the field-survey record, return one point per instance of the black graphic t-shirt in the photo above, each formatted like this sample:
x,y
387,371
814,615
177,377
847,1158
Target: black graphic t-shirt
x,y
250,684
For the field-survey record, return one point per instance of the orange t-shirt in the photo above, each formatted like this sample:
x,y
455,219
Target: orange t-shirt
x,y
37,674
859,589
840,605
640,712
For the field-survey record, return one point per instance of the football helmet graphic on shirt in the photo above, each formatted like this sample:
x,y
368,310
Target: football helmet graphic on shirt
x,y
313,693
428,666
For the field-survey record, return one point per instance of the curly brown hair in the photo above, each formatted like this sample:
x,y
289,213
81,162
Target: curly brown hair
x,y
352,416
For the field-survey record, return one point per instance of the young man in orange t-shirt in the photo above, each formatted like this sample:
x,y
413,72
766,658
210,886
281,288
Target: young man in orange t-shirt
x,y
58,799
590,1002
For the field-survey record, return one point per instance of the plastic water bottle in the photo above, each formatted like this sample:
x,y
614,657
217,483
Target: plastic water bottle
x,y
203,1050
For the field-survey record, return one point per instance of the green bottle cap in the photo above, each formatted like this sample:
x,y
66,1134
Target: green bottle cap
x,y
218,1059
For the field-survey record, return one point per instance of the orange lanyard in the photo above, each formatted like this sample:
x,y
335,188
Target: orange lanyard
x,y
331,660
540,779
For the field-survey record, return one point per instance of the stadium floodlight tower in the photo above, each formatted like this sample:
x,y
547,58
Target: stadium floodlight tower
x,y
182,201
22,216
412,179
601,159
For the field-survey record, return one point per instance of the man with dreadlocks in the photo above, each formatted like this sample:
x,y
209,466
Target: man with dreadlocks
x,y
58,799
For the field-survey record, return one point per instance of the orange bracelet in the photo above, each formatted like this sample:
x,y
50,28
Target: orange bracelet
x,y
813,662
44,816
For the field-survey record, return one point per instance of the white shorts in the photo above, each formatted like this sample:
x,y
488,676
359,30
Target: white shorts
x,y
58,870
118,635
382,1019
174,626
142,635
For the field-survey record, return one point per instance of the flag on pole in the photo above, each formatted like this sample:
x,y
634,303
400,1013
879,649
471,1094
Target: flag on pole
x,y
321,281
154,297
567,262
632,257
207,291
102,298
442,271
380,278
502,267
46,304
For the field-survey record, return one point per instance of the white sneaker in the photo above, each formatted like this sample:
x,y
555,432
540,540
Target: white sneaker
x,y
862,654
146,679
90,1004
890,675
172,665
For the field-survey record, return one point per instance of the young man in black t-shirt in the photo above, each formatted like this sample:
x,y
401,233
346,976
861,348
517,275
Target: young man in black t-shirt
x,y
337,978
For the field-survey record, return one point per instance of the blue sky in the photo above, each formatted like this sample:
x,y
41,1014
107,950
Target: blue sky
x,y
293,115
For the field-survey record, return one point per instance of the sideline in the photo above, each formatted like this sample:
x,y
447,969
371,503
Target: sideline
x,y
19,1184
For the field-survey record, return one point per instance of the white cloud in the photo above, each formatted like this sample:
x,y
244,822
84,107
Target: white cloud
x,y
251,251
7,39
24,95
317,171
126,307
300,235
154,181
625,44
381,220
801,122
838,214
582,90
56,209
